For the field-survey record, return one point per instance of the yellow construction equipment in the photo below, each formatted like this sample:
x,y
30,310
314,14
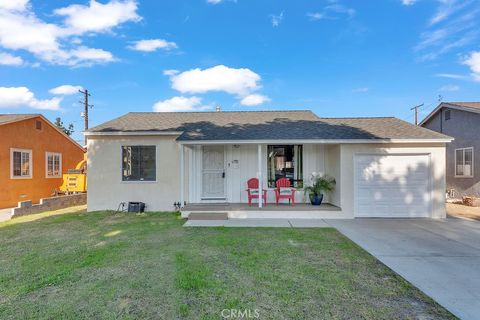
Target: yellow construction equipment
x,y
75,180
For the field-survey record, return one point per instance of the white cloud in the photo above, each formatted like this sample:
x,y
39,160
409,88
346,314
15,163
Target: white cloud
x,y
170,72
98,17
332,11
408,2
277,19
473,62
65,90
451,76
214,1
87,55
316,15
339,8
254,100
454,25
21,29
13,97
239,82
450,88
14,5
361,90
7,59
446,9
152,45
26,31
180,104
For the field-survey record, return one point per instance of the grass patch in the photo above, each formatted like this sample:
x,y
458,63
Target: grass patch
x,y
109,266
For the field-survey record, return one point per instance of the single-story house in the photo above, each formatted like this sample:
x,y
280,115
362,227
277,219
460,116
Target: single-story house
x,y
34,154
460,120
384,167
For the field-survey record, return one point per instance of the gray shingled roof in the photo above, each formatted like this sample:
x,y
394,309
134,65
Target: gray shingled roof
x,y
7,118
472,105
264,125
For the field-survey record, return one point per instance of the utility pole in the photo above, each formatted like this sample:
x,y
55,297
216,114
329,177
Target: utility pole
x,y
86,106
416,112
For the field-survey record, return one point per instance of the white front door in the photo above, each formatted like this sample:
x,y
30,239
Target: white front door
x,y
393,185
213,173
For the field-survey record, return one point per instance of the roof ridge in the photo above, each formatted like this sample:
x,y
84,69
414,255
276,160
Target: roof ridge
x,y
223,111
387,117
20,114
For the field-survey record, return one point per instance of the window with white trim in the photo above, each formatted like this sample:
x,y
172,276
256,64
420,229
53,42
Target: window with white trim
x,y
53,165
139,163
464,162
20,163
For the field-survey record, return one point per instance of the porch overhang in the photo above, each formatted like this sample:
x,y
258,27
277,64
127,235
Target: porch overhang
x,y
312,141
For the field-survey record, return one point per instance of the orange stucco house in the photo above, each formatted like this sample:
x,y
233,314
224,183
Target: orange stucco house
x,y
33,156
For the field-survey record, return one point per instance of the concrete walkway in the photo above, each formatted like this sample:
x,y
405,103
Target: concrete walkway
x,y
5,214
440,257
255,223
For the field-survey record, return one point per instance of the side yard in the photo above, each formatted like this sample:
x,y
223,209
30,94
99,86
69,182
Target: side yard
x,y
462,211
110,266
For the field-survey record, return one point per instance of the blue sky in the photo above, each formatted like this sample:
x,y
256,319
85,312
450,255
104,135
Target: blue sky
x,y
338,58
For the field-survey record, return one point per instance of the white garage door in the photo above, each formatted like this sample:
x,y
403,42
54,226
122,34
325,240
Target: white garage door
x,y
392,186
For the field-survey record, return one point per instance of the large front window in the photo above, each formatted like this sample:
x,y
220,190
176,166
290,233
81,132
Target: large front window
x,y
285,161
139,163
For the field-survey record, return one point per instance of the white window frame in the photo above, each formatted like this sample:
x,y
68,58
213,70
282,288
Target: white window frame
x,y
47,154
30,164
473,161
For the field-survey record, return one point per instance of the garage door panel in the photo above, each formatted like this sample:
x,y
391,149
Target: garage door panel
x,y
392,186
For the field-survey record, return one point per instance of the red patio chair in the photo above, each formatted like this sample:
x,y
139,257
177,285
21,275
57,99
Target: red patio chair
x,y
253,192
284,191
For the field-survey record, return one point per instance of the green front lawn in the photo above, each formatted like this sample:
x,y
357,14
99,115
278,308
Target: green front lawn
x,y
105,265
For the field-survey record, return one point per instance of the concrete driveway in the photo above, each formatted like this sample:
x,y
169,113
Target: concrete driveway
x,y
440,257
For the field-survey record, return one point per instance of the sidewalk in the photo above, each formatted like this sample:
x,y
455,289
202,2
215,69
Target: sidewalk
x,y
5,214
265,223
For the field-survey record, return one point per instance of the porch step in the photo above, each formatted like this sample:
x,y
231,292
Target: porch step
x,y
208,216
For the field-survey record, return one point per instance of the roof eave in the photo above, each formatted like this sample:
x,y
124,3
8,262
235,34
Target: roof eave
x,y
132,133
317,141
448,105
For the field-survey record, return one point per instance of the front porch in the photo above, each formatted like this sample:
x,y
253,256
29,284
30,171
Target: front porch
x,y
270,211
214,178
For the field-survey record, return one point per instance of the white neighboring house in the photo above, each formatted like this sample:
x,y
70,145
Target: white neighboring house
x,y
384,167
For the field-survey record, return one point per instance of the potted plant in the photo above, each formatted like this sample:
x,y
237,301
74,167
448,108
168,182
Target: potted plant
x,y
319,185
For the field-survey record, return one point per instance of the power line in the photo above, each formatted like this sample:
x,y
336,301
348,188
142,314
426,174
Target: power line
x,y
84,114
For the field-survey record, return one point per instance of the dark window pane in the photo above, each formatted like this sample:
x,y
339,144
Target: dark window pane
x,y
285,161
447,115
17,164
139,163
459,162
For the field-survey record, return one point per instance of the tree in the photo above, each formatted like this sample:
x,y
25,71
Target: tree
x,y
59,124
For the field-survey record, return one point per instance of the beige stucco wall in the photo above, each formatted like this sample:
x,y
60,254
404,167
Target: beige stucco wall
x,y
105,186
332,169
437,174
